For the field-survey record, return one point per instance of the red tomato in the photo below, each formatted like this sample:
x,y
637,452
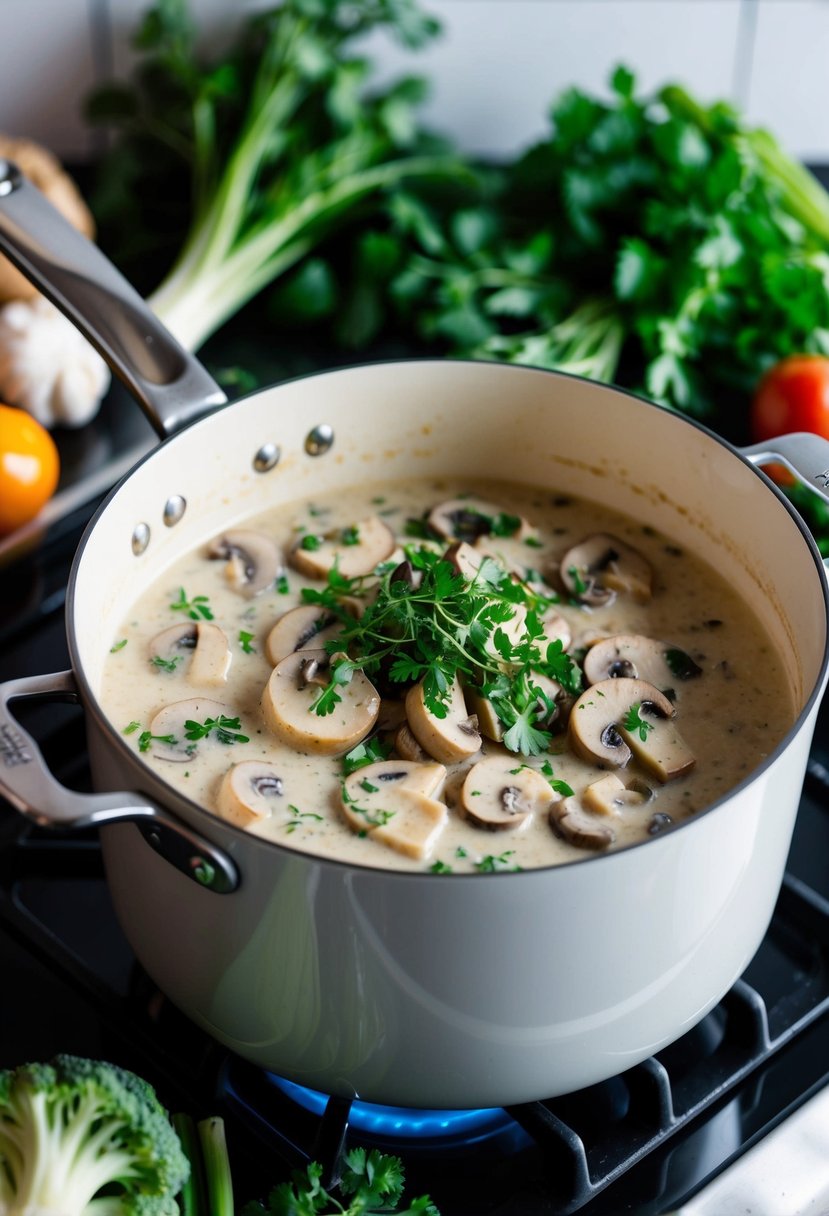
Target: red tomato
x,y
792,396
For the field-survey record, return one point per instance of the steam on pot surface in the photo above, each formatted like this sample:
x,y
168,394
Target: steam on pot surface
x,y
446,676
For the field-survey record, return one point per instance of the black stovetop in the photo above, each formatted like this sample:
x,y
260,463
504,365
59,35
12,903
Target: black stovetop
x,y
640,1143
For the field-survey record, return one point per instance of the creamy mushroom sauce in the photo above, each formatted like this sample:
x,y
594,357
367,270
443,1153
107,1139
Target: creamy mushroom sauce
x,y
730,716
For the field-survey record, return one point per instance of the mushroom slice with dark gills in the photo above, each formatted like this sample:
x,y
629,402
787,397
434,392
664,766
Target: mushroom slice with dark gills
x,y
601,565
406,745
583,819
204,644
453,737
618,717
579,826
169,729
307,627
249,792
355,550
288,702
465,519
252,559
634,656
500,795
395,803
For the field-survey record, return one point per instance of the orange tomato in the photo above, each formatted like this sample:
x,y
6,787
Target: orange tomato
x,y
29,467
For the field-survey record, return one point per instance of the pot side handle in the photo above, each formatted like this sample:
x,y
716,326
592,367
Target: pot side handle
x,y
171,386
801,453
26,782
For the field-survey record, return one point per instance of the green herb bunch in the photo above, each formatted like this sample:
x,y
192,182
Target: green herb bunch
x,y
441,625
275,142
650,241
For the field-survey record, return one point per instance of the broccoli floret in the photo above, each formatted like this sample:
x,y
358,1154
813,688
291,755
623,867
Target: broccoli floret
x,y
85,1138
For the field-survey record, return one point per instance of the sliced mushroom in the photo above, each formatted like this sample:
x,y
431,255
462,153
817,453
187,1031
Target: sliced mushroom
x,y
489,724
307,627
586,831
465,519
594,728
205,643
354,550
371,783
499,794
288,705
249,792
168,732
454,737
658,746
594,570
394,803
634,656
466,560
392,714
609,794
406,745
252,560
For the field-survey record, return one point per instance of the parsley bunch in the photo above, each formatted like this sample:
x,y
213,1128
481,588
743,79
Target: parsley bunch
x,y
372,1183
444,627
650,241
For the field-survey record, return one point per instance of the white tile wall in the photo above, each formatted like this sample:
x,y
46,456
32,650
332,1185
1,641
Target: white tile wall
x,y
494,71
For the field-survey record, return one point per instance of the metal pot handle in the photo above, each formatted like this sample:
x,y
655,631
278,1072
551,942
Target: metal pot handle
x,y
801,453
170,385
27,783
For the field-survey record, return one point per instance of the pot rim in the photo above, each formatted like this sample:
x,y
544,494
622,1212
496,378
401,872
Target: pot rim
x,y
92,707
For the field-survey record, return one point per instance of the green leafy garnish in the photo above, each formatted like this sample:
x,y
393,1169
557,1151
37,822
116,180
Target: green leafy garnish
x,y
636,724
282,585
350,535
311,542
165,664
440,867
146,739
131,728
682,665
299,816
246,642
446,627
197,609
227,729
492,865
560,787
371,1185
368,752
118,646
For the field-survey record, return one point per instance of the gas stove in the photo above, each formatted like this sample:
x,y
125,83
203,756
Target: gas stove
x,y
687,1131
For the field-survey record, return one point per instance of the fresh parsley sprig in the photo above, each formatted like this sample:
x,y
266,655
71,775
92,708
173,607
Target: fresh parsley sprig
x,y
227,729
636,724
444,625
197,608
372,1183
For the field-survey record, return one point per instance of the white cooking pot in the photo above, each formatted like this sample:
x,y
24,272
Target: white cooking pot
x,y
416,989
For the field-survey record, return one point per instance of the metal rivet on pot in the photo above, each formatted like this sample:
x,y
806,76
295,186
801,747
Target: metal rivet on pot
x,y
140,538
174,509
266,458
319,440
